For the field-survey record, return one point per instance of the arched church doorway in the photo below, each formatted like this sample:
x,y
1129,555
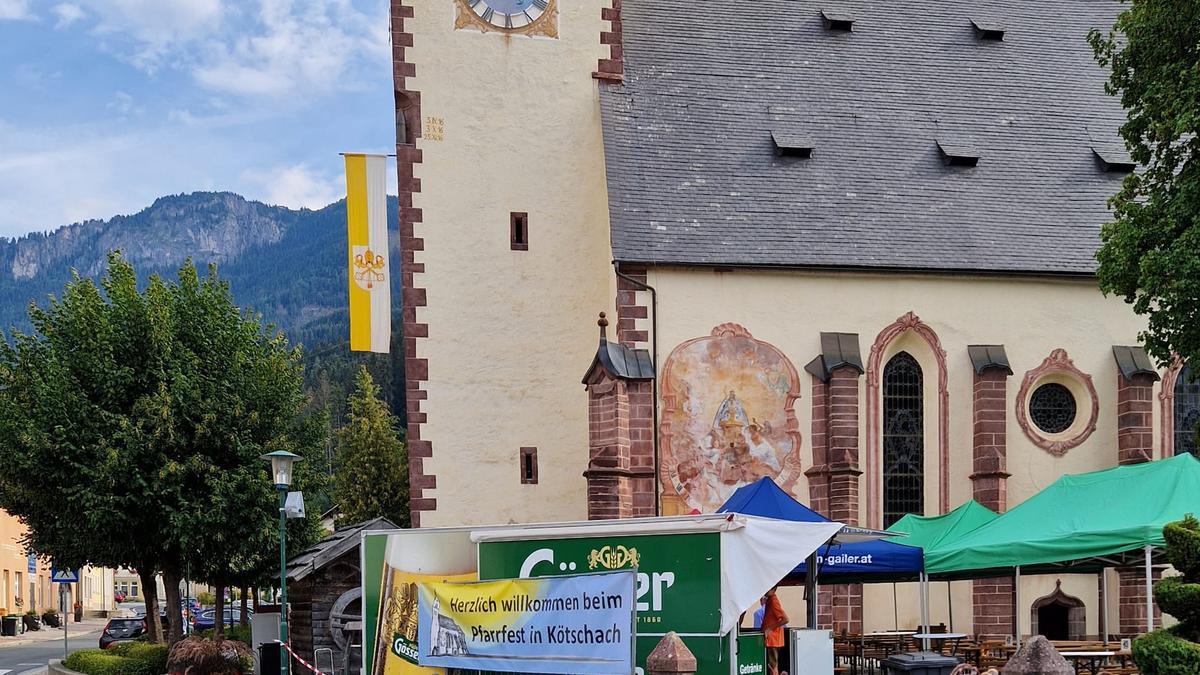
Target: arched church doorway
x,y
1059,616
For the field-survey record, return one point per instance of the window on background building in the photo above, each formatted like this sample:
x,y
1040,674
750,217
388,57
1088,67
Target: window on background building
x,y
903,439
133,590
1187,411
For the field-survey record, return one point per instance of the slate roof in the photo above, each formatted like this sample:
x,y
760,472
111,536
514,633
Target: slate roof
x,y
343,540
693,176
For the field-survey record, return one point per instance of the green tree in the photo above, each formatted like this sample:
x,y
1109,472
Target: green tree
x,y
371,476
1151,250
131,425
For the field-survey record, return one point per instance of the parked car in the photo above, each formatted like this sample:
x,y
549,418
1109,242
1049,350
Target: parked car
x,y
206,619
122,629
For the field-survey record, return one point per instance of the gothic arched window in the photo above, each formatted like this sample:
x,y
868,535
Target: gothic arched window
x,y
903,439
1187,411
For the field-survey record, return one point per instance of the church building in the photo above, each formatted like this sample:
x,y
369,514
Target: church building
x,y
847,245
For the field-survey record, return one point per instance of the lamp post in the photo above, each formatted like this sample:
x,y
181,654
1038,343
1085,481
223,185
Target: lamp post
x,y
281,472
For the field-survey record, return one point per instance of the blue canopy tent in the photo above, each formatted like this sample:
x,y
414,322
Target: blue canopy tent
x,y
857,560
839,563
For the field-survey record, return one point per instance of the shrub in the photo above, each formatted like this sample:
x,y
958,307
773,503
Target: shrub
x,y
201,656
234,632
1174,651
205,598
145,658
96,662
126,658
1163,652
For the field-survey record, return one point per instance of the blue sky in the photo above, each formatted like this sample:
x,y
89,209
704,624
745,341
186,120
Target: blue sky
x,y
107,104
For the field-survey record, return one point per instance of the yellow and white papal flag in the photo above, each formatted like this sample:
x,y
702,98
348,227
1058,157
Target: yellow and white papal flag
x,y
370,268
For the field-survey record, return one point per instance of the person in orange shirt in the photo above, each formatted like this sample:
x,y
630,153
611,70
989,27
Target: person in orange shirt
x,y
774,619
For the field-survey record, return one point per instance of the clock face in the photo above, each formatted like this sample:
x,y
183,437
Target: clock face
x,y
508,14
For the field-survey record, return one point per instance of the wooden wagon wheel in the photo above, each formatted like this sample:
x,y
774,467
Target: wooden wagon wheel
x,y
339,617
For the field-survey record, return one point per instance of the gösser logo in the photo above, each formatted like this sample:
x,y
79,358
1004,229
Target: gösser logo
x,y
610,558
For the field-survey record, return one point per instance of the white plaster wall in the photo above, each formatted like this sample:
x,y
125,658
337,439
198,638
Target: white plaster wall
x,y
510,333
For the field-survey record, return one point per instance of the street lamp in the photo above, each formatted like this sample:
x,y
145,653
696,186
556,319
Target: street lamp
x,y
281,473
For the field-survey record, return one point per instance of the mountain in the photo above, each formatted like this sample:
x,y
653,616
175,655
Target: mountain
x,y
289,265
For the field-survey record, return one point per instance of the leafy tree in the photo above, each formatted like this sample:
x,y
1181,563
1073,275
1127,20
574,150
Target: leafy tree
x,y
1151,251
371,478
131,425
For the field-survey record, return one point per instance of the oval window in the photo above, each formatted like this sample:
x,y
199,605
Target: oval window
x,y
1052,408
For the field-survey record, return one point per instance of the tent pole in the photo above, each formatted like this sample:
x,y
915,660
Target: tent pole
x,y
810,589
1017,605
1149,592
895,608
924,610
950,605
1104,603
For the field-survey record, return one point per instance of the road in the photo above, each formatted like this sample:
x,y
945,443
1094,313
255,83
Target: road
x,y
21,658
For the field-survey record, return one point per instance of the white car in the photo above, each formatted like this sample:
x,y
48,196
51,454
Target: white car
x,y
131,610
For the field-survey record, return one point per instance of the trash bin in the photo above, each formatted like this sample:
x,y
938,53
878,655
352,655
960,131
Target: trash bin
x,y
9,626
919,663
268,658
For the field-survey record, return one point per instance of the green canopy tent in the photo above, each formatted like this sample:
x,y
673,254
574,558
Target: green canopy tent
x,y
1079,523
929,532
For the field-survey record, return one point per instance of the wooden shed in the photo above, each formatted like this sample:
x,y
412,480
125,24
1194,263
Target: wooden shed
x,y
326,597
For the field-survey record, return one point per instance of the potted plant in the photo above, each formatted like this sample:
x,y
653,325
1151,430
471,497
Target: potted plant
x,y
31,620
205,656
50,618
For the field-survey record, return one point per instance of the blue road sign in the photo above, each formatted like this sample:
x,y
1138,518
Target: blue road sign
x,y
32,564
63,576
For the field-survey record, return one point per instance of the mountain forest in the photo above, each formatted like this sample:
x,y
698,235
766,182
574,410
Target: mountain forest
x,y
287,265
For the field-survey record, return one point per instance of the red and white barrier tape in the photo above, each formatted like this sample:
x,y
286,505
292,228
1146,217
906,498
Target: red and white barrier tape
x,y
296,656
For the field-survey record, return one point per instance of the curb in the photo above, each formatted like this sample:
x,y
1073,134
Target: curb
x,y
82,630
55,667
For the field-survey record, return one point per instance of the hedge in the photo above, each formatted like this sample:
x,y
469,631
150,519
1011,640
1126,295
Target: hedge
x,y
97,662
126,658
235,632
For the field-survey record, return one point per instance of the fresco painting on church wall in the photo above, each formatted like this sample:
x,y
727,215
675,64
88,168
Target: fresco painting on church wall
x,y
728,419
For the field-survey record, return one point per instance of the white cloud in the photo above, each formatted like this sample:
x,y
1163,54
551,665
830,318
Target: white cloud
x,y
15,10
67,13
250,48
162,31
309,46
123,104
63,174
294,186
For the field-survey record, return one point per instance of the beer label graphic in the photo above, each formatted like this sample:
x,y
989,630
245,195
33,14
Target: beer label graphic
x,y
396,652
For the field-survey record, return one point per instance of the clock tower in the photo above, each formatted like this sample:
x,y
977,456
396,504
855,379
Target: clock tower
x,y
505,251
514,17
